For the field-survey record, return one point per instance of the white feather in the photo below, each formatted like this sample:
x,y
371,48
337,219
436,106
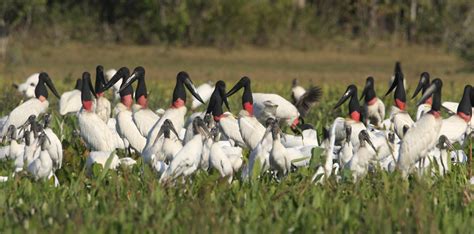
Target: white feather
x,y
205,91
70,102
20,114
96,133
144,119
418,140
285,111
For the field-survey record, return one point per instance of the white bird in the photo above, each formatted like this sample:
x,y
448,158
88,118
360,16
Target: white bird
x,y
15,149
205,91
279,156
27,88
171,145
423,84
374,108
218,158
347,150
70,102
95,133
187,159
359,164
125,125
260,155
34,106
456,127
354,119
285,111
103,107
423,135
143,117
442,149
175,114
52,144
42,166
399,117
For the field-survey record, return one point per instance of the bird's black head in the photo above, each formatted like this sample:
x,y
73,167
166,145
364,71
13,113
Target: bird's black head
x,y
179,94
45,81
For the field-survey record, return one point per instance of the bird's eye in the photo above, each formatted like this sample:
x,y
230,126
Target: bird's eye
x,y
32,84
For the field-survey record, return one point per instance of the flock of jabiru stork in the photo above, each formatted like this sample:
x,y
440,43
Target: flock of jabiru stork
x,y
175,146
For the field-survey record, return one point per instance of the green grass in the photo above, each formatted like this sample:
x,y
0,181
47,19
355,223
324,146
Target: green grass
x,y
132,200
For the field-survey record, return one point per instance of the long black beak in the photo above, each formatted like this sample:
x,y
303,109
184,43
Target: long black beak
x,y
50,85
429,91
472,96
443,140
424,80
364,92
129,81
418,89
365,137
190,86
226,103
394,84
269,126
349,92
31,119
173,129
235,89
122,72
11,133
89,82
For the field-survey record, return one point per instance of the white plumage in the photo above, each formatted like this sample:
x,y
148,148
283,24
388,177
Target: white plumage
x,y
375,112
128,130
418,141
144,119
230,127
205,91
186,161
20,114
400,118
220,161
285,111
27,88
251,130
54,147
454,128
152,146
103,108
96,133
422,109
70,102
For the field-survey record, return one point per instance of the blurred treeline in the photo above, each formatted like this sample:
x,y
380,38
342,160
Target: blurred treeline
x,y
229,23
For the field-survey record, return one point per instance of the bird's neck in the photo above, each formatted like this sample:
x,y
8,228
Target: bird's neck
x,y
127,100
87,105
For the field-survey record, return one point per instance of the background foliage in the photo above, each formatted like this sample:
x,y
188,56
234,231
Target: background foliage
x,y
228,23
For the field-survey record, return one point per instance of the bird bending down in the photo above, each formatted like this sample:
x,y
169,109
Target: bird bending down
x,y
187,159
